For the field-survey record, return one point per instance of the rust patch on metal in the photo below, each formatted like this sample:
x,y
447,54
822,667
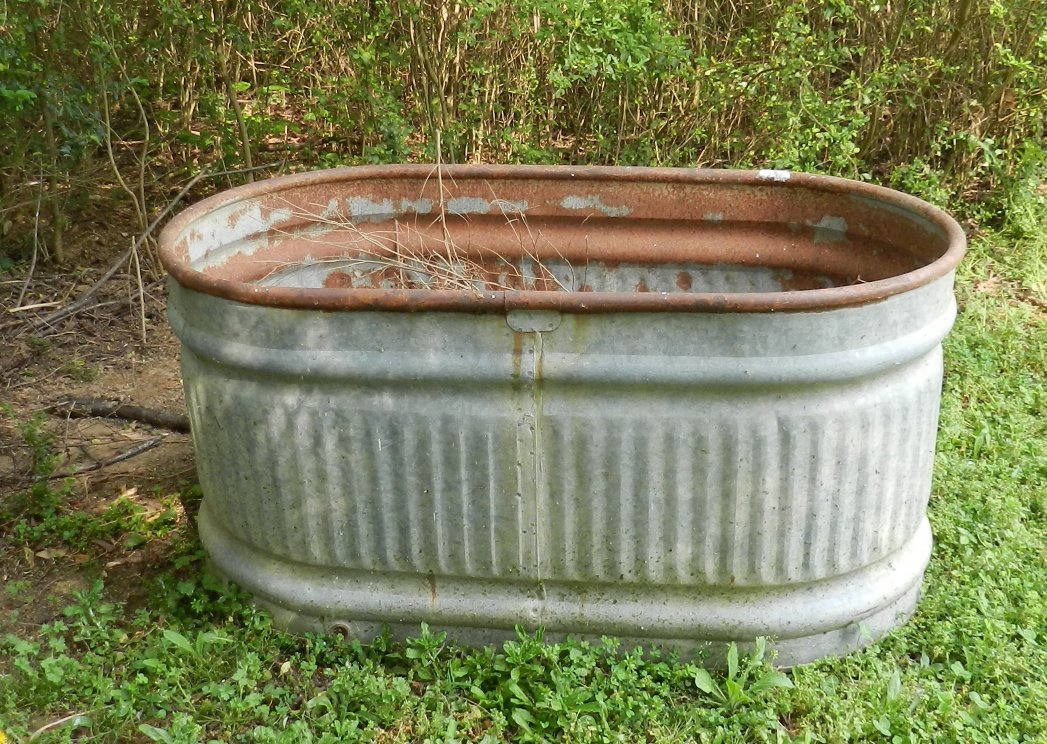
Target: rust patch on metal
x,y
392,276
234,217
641,286
684,281
338,279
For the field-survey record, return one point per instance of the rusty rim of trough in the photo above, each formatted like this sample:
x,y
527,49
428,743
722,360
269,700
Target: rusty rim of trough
x,y
407,300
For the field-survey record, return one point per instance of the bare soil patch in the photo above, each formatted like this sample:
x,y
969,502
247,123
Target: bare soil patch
x,y
119,350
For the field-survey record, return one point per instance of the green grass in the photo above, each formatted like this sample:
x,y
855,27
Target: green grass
x,y
197,664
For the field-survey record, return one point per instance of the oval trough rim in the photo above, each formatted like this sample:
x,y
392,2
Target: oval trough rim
x,y
418,300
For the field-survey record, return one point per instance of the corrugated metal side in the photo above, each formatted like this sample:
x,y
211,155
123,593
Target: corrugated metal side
x,y
345,477
472,449
736,490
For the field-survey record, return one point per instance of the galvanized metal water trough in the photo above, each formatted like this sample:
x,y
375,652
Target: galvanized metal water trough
x,y
681,407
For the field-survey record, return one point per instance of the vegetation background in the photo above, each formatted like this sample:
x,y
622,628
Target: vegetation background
x,y
942,98
115,107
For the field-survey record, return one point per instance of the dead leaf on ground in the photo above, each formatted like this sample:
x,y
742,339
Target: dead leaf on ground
x,y
49,554
990,284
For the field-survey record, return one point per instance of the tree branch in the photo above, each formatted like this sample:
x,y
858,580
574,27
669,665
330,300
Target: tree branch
x,y
82,301
96,407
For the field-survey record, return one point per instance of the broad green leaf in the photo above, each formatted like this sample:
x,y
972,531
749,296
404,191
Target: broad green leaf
x,y
523,718
732,661
894,685
156,734
174,638
883,725
517,692
704,682
759,649
770,680
736,695
134,540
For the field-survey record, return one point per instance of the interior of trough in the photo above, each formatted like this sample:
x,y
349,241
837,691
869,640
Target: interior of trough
x,y
490,254
561,236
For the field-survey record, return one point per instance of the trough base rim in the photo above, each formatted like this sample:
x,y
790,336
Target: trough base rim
x,y
804,622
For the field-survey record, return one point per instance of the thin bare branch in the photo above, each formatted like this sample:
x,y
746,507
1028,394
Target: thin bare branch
x,y
83,300
126,455
36,245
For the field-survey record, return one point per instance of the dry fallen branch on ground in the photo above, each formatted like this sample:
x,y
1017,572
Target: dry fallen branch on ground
x,y
126,455
98,408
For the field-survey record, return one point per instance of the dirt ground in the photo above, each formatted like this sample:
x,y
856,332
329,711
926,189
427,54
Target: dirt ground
x,y
120,349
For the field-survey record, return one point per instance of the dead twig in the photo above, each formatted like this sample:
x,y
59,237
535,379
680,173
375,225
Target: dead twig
x,y
423,261
234,105
42,332
138,205
35,306
126,455
1032,299
98,408
82,301
36,245
141,291
76,719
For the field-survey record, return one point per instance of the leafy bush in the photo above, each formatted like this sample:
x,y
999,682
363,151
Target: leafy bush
x,y
945,98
